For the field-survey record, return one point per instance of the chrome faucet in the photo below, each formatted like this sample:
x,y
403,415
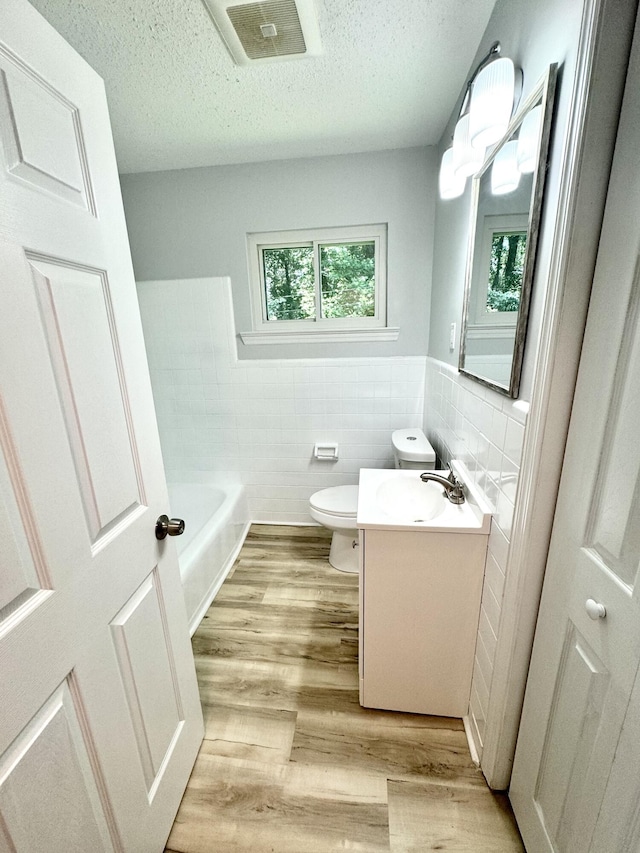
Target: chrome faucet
x,y
453,488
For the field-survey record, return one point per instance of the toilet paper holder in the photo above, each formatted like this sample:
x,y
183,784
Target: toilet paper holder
x,y
326,451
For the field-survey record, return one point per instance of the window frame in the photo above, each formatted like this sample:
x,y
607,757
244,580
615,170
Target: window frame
x,y
318,327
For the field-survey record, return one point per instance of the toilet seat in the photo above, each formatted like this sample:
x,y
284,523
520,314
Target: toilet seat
x,y
337,501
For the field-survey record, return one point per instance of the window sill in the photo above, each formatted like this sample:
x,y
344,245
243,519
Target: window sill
x,y
333,336
480,331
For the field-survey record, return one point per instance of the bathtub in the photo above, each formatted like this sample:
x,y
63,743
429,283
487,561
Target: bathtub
x,y
216,524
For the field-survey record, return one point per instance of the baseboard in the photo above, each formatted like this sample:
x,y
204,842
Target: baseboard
x,y
272,523
473,748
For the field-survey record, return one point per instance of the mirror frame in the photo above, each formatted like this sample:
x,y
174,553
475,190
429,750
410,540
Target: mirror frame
x,y
544,93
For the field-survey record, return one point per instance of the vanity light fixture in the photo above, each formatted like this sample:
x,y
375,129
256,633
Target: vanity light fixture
x,y
529,141
492,97
450,184
505,175
467,160
485,112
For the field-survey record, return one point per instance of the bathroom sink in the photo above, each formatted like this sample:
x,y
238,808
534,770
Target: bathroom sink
x,y
397,499
408,499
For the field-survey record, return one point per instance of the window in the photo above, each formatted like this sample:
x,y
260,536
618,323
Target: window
x,y
328,283
498,275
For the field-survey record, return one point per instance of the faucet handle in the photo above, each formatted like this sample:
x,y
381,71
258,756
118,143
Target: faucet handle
x,y
456,494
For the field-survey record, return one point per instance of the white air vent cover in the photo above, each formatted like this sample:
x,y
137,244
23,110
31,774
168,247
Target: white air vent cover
x,y
267,32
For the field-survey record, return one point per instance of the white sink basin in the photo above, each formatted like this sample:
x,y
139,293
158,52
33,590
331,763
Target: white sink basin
x,y
408,499
397,499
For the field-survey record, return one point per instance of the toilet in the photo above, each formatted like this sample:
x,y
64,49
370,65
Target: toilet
x,y
336,508
412,449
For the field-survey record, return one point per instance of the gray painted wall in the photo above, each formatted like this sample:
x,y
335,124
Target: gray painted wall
x,y
192,223
533,35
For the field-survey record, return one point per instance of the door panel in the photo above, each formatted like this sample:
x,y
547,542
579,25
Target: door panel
x,y
23,576
144,657
614,527
41,133
580,693
100,719
36,445
584,666
618,825
75,306
50,752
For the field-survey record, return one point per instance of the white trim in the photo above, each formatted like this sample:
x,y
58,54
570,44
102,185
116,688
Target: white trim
x,y
583,183
311,328
333,336
491,332
401,361
310,523
471,743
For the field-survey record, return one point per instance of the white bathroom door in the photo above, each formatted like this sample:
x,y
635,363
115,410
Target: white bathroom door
x,y
100,719
576,783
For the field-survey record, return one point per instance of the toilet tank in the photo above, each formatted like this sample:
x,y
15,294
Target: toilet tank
x,y
412,449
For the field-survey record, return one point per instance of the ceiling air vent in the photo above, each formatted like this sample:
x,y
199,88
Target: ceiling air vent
x,y
267,32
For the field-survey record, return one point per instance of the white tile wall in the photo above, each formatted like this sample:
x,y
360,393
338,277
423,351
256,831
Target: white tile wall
x,y
467,421
257,421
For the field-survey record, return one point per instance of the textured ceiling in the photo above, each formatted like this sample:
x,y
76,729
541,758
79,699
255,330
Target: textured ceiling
x,y
388,78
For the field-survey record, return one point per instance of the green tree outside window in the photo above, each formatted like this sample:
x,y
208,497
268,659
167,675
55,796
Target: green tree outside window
x,y
506,267
288,276
347,274
347,281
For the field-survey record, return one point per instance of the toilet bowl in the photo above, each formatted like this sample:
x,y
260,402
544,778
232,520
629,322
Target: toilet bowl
x,y
336,508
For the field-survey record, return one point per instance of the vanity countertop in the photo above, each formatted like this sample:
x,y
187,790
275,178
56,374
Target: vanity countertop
x,y
397,499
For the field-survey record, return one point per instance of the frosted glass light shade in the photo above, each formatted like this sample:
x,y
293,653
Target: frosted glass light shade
x,y
450,184
505,175
491,104
466,160
529,141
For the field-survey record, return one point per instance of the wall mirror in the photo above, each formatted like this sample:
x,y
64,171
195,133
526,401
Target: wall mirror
x,y
506,206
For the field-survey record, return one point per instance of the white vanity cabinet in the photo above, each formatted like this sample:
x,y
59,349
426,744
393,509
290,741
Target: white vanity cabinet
x,y
419,609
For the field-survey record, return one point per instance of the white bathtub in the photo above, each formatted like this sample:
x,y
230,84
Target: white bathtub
x,y
216,523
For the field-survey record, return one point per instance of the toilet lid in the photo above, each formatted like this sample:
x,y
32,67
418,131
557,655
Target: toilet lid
x,y
339,500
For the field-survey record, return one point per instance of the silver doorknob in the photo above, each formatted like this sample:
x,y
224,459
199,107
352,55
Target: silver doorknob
x,y
166,526
594,609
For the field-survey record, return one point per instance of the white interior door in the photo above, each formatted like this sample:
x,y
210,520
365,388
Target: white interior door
x,y
100,718
575,784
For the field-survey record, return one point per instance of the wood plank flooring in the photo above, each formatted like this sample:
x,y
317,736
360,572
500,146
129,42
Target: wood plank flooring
x,y
290,762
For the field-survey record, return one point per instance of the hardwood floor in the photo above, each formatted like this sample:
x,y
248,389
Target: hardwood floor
x,y
290,762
